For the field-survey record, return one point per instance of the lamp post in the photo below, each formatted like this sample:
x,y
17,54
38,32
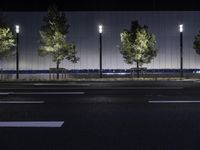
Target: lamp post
x,y
100,48
17,51
181,49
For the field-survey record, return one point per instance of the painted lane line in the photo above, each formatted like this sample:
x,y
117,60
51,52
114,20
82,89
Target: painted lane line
x,y
161,88
160,102
43,93
35,124
22,102
4,93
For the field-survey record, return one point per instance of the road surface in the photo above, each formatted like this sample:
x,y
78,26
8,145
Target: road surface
x,y
150,115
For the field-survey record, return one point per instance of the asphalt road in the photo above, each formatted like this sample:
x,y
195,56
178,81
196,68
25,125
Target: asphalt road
x,y
135,115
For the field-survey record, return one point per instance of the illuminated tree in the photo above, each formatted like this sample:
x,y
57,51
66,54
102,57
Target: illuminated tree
x,y
137,45
196,43
7,38
53,38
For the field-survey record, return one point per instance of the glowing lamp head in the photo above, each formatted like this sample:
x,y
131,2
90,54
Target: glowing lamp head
x,y
17,28
100,28
181,28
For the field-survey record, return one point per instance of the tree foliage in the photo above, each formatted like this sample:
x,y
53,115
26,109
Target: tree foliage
x,y
53,37
196,43
137,45
7,38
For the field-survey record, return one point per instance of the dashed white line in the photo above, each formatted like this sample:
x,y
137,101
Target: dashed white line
x,y
22,102
4,93
160,102
163,88
35,124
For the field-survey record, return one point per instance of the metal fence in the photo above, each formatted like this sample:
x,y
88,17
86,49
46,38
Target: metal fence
x,y
94,73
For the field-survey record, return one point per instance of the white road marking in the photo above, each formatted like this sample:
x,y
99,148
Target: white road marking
x,y
36,124
42,93
4,93
163,88
159,102
22,102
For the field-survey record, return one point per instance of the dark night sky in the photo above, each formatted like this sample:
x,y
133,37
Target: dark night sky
x,y
99,5
84,33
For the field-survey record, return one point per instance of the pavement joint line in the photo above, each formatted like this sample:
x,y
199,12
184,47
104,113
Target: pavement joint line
x,y
165,102
70,84
102,87
22,102
144,88
35,124
159,88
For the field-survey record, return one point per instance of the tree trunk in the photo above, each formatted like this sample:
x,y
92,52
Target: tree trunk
x,y
138,71
57,69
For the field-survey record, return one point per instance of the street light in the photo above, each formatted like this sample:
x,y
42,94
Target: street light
x,y
181,49
100,28
100,48
17,29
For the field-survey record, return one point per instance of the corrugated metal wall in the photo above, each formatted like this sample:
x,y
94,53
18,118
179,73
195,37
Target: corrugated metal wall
x,y
84,33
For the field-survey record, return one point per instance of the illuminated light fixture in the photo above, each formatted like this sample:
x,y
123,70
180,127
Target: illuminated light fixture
x,y
181,28
181,49
100,51
17,28
100,28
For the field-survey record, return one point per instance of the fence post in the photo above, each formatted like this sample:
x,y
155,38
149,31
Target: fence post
x,y
1,71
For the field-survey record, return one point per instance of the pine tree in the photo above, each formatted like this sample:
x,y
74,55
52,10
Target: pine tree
x,y
53,38
137,45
